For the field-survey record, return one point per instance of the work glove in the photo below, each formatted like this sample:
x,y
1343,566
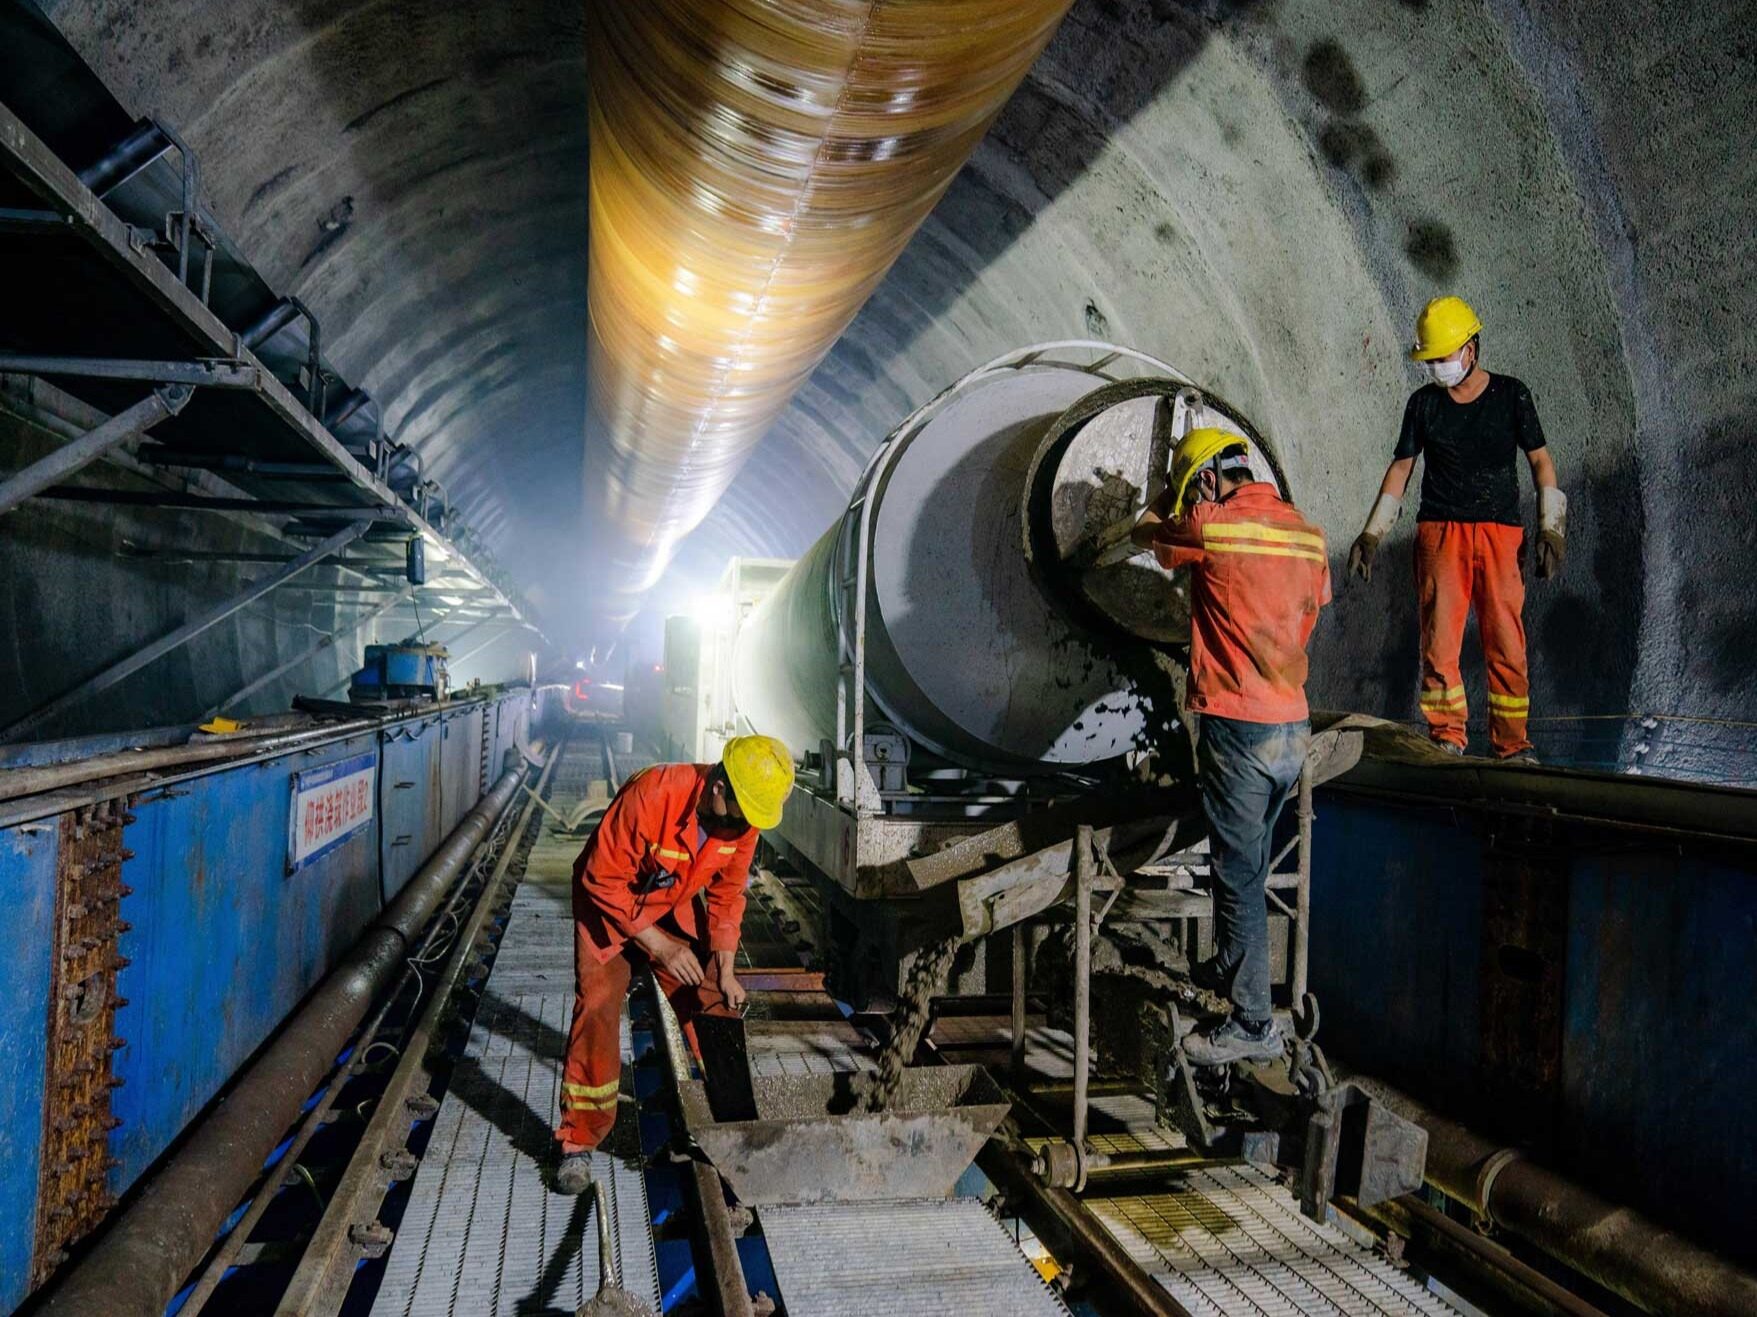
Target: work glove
x,y
1361,555
1552,530
1366,544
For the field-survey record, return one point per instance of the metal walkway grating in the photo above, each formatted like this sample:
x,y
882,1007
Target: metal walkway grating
x,y
1233,1241
902,1259
483,1234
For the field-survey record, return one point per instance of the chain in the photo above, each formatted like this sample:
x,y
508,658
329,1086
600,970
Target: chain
x,y
927,980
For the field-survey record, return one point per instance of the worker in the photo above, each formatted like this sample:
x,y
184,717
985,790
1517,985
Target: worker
x,y
1258,576
674,832
1469,545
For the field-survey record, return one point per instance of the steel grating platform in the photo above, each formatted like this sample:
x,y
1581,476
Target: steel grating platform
x,y
901,1259
483,1234
1231,1240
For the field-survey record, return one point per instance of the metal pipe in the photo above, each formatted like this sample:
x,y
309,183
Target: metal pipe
x,y
93,444
16,783
346,406
270,323
1302,916
1656,1269
147,498
142,1258
144,144
1082,993
126,667
1461,1249
1017,1058
314,471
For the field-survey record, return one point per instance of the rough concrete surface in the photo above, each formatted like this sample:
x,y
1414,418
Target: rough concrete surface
x,y
1262,193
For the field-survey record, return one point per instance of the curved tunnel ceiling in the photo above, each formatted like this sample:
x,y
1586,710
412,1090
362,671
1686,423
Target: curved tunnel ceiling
x,y
1259,192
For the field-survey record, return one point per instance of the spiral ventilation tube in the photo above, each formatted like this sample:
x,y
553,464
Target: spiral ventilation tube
x,y
756,167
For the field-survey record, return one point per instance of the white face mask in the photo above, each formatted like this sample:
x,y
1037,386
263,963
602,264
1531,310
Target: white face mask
x,y
1446,373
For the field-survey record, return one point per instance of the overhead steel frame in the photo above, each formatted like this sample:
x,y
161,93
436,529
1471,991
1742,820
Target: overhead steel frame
x,y
222,355
127,667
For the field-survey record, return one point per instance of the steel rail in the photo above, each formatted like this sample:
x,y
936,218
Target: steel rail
x,y
1636,1258
77,454
727,1291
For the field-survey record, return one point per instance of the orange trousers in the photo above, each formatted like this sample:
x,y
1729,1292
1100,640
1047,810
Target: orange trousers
x,y
1459,564
591,1079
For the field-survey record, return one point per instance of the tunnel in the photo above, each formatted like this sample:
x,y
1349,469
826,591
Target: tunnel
x,y
417,419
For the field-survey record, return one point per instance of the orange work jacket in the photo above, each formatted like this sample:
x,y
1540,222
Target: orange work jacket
x,y
649,830
1258,576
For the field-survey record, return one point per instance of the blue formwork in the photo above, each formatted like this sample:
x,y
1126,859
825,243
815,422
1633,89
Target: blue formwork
x,y
200,1006
409,799
226,934
27,915
1641,1046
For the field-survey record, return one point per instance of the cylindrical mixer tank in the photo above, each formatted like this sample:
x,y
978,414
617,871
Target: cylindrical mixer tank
x,y
976,651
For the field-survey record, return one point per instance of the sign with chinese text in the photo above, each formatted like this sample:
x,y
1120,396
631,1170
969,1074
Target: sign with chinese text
x,y
330,804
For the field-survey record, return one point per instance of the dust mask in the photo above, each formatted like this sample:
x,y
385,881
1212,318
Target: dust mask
x,y
1446,373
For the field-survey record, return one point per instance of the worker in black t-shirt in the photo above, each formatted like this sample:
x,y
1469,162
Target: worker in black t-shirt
x,y
1469,545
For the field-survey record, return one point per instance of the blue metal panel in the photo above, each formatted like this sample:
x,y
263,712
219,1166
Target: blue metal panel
x,y
27,929
1658,1043
461,752
224,941
1396,942
1659,1056
408,795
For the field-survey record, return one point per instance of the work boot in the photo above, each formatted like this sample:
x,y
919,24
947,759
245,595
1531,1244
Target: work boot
x,y
573,1175
1526,758
1234,1040
1449,748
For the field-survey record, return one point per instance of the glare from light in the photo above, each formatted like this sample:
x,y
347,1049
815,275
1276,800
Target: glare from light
x,y
711,612
451,599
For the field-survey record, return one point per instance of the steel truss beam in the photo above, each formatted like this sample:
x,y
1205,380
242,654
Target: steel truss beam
x,y
214,374
73,457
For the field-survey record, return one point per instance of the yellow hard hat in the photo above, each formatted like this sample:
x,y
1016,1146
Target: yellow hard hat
x,y
1193,452
760,769
1444,325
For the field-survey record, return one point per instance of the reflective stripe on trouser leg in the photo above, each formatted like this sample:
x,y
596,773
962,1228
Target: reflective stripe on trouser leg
x,y
1444,554
1499,588
592,1076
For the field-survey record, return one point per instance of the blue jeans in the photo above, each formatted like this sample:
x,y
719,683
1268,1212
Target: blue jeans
x,y
1246,772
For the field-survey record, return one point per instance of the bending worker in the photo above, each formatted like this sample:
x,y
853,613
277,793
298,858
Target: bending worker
x,y
1258,576
1469,547
674,831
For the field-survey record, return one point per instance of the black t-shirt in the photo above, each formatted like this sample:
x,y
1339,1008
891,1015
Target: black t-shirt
x,y
1471,473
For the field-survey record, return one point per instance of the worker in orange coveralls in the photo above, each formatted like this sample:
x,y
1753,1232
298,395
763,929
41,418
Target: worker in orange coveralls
x,y
1258,576
674,831
1469,545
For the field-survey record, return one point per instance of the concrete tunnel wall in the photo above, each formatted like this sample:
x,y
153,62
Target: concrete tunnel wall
x,y
1261,193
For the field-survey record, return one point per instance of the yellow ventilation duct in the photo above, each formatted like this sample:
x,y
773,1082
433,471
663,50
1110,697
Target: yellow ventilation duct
x,y
756,167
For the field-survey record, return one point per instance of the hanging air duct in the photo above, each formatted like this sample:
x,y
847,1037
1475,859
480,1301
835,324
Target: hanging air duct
x,y
756,167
